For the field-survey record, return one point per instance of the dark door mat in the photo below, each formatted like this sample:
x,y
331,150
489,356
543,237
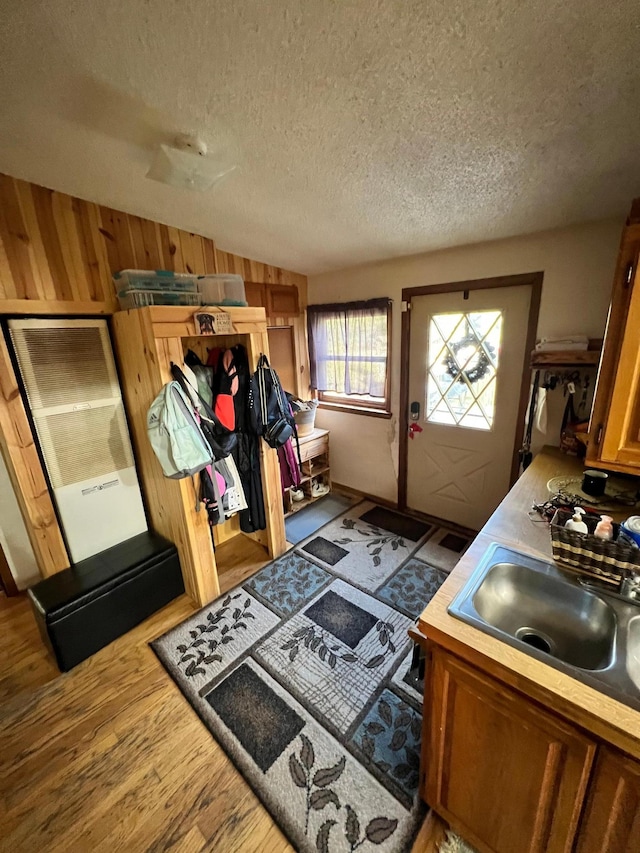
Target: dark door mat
x,y
401,525
302,524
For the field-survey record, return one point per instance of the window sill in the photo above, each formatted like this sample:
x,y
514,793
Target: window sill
x,y
354,410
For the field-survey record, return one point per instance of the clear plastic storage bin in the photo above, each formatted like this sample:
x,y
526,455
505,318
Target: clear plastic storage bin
x,y
141,298
145,280
222,289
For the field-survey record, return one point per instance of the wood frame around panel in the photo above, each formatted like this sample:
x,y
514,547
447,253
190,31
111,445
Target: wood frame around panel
x,y
146,341
27,477
534,280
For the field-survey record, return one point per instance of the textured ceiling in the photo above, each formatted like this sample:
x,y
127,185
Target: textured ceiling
x,y
364,129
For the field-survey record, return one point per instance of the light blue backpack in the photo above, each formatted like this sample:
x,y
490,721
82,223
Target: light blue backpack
x,y
175,434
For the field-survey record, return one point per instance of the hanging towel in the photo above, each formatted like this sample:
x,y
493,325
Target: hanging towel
x,y
541,411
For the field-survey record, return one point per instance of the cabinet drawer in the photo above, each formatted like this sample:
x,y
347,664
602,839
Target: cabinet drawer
x,y
314,448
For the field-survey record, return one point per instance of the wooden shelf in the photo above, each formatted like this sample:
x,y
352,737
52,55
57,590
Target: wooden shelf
x,y
565,358
307,477
314,449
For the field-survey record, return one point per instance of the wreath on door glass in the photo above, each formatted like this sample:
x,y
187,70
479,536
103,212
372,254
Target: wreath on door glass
x,y
478,367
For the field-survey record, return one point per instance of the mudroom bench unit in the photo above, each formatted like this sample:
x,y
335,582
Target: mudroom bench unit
x,y
147,340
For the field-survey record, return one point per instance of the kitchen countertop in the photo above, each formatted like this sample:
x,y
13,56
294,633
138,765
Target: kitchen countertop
x,y
511,525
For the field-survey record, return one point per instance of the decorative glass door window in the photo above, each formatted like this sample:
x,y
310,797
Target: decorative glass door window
x,y
462,364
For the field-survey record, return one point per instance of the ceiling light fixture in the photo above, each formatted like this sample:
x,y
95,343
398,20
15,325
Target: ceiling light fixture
x,y
186,165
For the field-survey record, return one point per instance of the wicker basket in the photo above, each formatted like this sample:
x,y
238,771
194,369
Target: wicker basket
x,y
584,552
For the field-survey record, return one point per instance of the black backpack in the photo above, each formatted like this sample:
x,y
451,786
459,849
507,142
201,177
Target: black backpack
x,y
270,409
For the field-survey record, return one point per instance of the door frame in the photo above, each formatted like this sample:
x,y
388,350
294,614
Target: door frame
x,y
534,280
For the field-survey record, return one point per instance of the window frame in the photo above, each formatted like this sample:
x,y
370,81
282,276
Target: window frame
x,y
348,402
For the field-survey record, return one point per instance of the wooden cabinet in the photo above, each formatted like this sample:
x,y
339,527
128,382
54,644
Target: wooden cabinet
x,y
279,300
314,455
507,775
614,441
611,821
256,294
282,301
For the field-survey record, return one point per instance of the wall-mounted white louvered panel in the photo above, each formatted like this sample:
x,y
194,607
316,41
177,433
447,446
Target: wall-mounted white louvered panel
x,y
71,383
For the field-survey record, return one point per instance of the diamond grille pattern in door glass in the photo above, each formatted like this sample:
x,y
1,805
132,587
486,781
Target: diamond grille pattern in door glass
x,y
462,364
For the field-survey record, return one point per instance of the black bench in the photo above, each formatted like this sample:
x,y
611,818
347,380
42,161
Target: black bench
x,y
82,609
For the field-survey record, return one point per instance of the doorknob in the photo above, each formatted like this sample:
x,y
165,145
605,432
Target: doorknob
x,y
414,411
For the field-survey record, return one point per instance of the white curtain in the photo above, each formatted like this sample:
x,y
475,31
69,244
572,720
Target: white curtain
x,y
348,347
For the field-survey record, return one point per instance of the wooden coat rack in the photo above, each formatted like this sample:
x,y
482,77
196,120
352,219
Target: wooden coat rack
x,y
147,340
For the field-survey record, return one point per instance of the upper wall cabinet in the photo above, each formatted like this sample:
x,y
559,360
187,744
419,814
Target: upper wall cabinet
x,y
614,441
279,300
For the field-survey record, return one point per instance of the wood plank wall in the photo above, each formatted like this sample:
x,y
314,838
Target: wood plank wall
x,y
54,247
57,256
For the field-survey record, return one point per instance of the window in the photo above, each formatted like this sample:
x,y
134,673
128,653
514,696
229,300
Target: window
x,y
349,346
462,362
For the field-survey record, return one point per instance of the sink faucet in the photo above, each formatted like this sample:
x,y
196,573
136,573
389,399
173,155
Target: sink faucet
x,y
630,586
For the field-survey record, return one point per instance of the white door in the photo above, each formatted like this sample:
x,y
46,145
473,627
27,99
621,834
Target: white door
x,y
465,372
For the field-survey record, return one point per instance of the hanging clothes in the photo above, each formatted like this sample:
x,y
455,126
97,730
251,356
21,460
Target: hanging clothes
x,y
246,453
289,469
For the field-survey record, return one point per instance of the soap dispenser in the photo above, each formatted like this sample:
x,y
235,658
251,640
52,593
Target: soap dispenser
x,y
575,522
604,528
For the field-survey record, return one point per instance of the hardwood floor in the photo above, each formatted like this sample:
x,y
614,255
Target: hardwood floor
x,y
110,757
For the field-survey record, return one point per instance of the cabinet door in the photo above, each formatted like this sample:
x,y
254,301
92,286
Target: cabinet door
x,y
282,300
256,294
615,416
282,355
621,436
510,777
611,822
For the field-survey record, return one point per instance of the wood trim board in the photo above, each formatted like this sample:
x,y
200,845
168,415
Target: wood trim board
x,y
6,576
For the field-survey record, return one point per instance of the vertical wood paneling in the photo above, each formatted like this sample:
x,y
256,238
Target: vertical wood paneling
x,y
42,274
140,258
167,249
54,247
192,253
118,234
151,243
91,263
68,239
210,267
7,290
175,249
15,239
31,237
43,200
226,262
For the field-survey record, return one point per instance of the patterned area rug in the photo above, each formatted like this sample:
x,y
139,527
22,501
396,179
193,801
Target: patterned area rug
x,y
303,675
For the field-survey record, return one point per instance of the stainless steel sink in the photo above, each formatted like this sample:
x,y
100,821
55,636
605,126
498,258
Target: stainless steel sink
x,y
548,614
535,607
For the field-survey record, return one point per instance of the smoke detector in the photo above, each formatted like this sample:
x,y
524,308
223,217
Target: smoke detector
x,y
187,165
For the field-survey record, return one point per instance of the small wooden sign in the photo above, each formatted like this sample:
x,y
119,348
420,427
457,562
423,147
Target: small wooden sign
x,y
214,323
